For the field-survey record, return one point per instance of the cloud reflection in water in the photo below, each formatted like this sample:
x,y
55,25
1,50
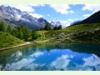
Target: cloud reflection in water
x,y
63,61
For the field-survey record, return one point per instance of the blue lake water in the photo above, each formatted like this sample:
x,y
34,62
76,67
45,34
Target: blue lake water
x,y
67,57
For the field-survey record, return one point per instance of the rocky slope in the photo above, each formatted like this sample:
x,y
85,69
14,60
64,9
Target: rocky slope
x,y
15,16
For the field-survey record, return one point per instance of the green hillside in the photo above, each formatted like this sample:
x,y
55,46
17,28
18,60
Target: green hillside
x,y
84,33
7,40
88,33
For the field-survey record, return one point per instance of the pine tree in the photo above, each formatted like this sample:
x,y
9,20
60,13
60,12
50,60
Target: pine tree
x,y
23,32
47,26
14,32
20,33
3,26
34,34
59,27
26,33
55,28
41,28
9,28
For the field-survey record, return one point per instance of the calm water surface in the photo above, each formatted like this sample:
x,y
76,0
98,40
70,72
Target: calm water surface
x,y
52,57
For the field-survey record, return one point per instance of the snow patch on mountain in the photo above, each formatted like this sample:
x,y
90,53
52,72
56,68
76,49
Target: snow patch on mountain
x,y
18,17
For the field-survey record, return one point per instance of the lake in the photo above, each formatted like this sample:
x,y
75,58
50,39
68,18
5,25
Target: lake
x,y
52,57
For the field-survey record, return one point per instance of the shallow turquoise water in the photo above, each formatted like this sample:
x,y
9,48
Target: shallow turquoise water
x,y
52,57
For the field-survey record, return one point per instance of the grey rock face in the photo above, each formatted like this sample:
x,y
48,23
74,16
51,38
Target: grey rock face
x,y
18,17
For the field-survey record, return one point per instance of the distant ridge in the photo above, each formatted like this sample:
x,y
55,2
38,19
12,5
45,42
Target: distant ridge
x,y
94,18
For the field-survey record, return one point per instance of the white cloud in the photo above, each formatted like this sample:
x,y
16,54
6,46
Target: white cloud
x,y
80,68
92,61
89,63
71,11
18,55
66,23
61,62
37,5
27,8
70,20
91,7
37,54
86,15
26,63
73,4
19,65
48,15
36,15
61,8
78,19
22,7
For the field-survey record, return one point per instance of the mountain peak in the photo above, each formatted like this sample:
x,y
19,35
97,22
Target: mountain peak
x,y
55,23
17,17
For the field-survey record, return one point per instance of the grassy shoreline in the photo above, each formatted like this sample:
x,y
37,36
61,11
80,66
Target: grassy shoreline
x,y
29,43
20,45
49,41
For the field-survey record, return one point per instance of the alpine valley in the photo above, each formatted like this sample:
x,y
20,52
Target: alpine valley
x,y
62,39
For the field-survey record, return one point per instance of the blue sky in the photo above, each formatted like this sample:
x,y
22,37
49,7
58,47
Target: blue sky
x,y
65,13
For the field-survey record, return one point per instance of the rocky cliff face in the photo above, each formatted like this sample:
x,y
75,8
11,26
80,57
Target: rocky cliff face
x,y
17,17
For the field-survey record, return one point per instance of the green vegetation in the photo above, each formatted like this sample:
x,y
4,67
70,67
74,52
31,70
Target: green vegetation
x,y
3,26
57,27
34,34
86,33
11,36
23,32
9,29
47,26
7,40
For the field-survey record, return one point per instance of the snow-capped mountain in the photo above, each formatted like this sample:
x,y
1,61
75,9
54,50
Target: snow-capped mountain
x,y
17,17
55,23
